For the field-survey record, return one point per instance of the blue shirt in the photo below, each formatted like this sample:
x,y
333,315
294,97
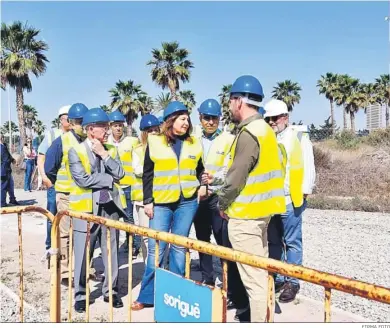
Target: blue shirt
x,y
53,158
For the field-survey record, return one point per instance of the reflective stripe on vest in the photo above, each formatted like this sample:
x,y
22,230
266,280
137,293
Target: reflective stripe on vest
x,y
170,175
137,188
125,149
263,193
64,180
218,151
80,199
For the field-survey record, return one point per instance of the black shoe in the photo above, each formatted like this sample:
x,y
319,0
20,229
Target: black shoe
x,y
135,253
279,286
65,282
79,306
243,316
230,304
289,293
116,301
14,203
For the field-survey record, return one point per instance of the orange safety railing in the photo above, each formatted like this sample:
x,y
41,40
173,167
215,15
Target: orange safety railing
x,y
327,280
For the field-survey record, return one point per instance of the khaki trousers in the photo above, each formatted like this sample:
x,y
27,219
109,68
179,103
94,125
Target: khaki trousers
x,y
250,236
62,201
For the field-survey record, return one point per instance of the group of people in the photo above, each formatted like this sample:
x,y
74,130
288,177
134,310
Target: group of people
x,y
248,189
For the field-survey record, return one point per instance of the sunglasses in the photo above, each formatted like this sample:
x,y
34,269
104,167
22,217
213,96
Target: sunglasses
x,y
209,118
274,118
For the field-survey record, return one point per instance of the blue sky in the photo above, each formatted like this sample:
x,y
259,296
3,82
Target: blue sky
x,y
94,44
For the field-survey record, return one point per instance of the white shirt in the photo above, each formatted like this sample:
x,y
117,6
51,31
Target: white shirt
x,y
309,173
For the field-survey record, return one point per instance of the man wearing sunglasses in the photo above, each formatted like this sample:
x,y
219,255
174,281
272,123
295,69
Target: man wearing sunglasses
x,y
285,230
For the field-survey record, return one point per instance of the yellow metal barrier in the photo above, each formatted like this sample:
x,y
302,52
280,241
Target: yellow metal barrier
x,y
328,281
19,210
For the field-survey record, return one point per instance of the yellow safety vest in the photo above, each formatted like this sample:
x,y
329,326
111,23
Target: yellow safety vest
x,y
282,157
137,193
170,174
263,193
295,160
218,151
64,179
125,149
80,199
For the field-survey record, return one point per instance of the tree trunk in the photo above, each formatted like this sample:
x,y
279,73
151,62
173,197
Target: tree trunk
x,y
352,114
19,107
387,116
345,118
332,116
129,123
173,94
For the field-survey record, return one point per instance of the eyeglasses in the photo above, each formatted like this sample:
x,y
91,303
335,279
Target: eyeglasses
x,y
209,118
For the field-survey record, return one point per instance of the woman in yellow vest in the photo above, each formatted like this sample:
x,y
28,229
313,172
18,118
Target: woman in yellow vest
x,y
172,171
149,125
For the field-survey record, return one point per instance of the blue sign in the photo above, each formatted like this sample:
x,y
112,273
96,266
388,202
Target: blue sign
x,y
181,300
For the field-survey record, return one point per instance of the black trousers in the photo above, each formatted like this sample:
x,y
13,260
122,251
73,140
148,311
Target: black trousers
x,y
207,220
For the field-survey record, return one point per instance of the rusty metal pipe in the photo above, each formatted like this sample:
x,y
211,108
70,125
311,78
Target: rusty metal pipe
x,y
188,264
156,254
70,268
55,288
270,299
109,252
327,304
26,209
130,277
224,290
20,243
87,265
354,287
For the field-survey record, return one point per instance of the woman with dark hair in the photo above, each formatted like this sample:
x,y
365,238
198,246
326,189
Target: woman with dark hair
x,y
172,170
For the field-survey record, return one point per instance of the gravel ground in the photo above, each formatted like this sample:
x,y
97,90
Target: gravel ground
x,y
9,311
352,244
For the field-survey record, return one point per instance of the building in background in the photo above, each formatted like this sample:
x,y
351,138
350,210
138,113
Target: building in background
x,y
375,117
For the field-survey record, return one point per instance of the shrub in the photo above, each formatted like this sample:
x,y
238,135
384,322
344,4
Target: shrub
x,y
322,158
347,140
379,137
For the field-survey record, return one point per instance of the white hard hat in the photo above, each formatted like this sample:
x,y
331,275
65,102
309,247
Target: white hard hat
x,y
63,110
274,108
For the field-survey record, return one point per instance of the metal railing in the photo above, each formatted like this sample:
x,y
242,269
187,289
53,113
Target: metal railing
x,y
327,280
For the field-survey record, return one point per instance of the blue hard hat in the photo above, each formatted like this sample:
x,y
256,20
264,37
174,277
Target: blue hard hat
x,y
174,107
95,115
116,116
161,119
247,84
77,111
210,107
148,121
262,110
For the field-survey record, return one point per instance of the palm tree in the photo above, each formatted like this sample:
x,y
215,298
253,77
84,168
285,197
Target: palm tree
x,y
382,86
328,86
147,104
162,101
170,66
5,129
224,98
187,97
126,97
370,95
350,96
21,55
39,128
30,117
288,92
55,123
106,108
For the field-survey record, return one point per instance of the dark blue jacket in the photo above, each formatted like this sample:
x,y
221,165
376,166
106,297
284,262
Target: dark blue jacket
x,y
6,161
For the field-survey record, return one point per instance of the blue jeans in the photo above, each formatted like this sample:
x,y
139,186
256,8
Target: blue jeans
x,y
177,219
11,189
285,239
52,208
27,176
130,217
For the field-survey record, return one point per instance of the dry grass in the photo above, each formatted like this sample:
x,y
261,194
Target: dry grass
x,y
359,173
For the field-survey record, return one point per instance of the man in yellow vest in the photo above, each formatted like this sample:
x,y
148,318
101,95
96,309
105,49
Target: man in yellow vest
x,y
50,135
253,189
125,145
285,230
96,169
57,171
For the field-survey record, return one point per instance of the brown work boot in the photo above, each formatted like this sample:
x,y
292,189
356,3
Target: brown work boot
x,y
289,293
